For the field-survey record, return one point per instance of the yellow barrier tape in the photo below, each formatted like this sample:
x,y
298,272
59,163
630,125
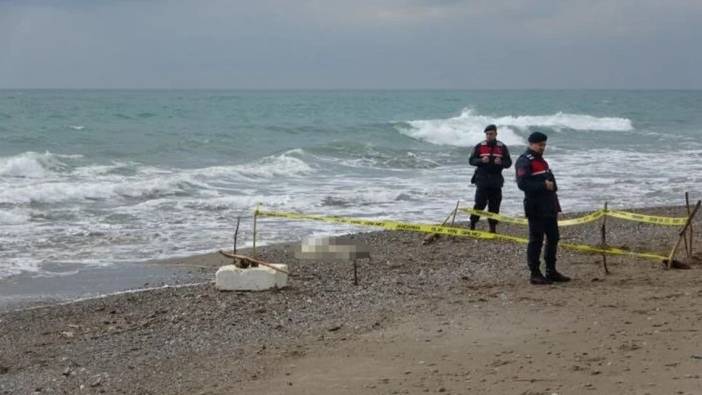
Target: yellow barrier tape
x,y
611,251
385,224
649,219
499,217
593,216
449,231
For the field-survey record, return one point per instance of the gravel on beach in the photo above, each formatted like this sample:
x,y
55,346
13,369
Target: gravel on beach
x,y
195,339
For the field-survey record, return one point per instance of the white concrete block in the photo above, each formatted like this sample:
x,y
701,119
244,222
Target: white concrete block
x,y
232,278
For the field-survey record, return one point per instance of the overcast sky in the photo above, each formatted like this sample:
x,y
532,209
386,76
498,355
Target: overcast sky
x,y
327,44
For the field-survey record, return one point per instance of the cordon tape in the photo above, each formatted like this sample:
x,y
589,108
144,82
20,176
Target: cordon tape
x,y
452,231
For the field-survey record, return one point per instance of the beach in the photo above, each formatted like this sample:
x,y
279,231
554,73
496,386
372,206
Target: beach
x,y
456,316
185,186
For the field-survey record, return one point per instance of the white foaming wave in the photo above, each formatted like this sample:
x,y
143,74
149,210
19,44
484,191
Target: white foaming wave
x,y
99,183
17,265
560,121
54,192
283,165
627,178
154,188
32,164
100,189
13,217
77,127
467,128
93,171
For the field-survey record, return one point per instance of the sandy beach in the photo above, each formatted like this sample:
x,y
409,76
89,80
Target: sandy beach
x,y
457,316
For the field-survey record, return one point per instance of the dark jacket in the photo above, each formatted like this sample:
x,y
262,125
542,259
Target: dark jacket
x,y
532,172
489,175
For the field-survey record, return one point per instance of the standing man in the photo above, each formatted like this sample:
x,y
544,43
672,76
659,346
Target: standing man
x,y
490,157
541,207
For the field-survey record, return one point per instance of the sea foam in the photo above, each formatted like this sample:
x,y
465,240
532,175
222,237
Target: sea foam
x,y
467,128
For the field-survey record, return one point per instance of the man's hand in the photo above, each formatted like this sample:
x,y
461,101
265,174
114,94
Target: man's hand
x,y
485,159
550,185
498,160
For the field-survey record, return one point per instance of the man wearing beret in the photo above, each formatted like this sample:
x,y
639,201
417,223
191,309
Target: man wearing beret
x,y
489,157
541,207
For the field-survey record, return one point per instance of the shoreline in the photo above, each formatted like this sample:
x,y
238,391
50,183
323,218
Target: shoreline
x,y
28,289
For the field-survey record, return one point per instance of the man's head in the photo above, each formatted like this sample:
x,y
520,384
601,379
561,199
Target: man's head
x,y
537,142
490,133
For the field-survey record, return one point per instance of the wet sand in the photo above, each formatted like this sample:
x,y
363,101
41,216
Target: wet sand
x,y
29,290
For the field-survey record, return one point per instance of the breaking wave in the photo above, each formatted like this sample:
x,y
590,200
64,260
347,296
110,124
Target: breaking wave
x,y
467,128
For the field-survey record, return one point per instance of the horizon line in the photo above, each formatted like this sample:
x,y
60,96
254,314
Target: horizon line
x,y
343,89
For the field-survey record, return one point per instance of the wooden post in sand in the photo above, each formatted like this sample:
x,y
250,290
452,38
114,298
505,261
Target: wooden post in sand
x,y
691,237
253,252
428,239
236,232
453,219
687,204
603,231
668,262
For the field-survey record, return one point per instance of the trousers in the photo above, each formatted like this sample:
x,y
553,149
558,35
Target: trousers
x,y
490,197
538,228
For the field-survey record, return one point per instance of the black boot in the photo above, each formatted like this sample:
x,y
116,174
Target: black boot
x,y
554,276
538,279
473,220
493,225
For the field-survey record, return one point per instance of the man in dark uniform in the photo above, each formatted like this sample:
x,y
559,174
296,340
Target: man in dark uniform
x,y
490,157
541,206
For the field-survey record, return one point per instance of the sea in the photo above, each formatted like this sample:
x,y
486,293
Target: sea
x,y
98,178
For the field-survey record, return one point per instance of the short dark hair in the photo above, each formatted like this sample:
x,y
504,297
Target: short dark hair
x,y
490,128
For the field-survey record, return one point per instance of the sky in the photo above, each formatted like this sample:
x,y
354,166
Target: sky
x,y
352,44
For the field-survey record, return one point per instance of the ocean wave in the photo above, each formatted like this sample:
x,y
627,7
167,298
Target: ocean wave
x,y
283,165
13,217
467,128
33,164
44,178
368,156
287,164
53,192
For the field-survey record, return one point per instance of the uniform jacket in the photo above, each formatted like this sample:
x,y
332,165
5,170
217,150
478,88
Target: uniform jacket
x,y
489,175
532,172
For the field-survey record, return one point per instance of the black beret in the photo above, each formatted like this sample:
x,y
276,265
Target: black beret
x,y
537,137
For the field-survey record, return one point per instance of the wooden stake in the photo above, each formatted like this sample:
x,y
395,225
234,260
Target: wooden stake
x,y
251,260
691,238
236,232
355,273
433,236
253,253
453,220
603,231
687,204
669,261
